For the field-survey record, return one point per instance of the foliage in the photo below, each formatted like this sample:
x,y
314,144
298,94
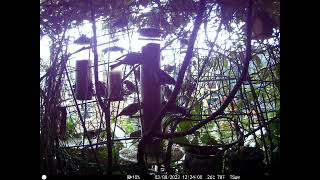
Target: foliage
x,y
213,72
71,127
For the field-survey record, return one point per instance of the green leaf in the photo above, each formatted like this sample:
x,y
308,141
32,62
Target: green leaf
x,y
271,114
278,113
181,140
275,128
225,63
71,125
128,125
197,134
103,134
257,61
277,74
245,123
114,152
207,139
197,108
195,140
103,152
184,125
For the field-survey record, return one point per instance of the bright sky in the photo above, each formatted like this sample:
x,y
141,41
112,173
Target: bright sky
x,y
123,42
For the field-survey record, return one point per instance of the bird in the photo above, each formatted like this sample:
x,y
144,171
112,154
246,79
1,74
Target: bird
x,y
167,92
136,134
130,59
137,73
130,110
121,22
92,134
190,87
130,87
169,68
102,89
173,108
165,78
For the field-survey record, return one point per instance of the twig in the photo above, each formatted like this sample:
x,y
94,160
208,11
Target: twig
x,y
105,109
82,121
261,120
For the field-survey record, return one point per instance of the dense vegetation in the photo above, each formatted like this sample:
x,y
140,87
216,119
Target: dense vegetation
x,y
228,105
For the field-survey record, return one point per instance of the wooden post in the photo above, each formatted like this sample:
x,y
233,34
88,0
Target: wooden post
x,y
150,89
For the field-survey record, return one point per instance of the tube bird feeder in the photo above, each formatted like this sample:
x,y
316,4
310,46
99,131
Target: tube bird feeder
x,y
114,88
150,89
84,86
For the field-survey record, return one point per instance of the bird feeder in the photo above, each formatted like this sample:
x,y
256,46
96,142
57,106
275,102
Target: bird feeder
x,y
150,98
150,88
149,35
84,86
114,88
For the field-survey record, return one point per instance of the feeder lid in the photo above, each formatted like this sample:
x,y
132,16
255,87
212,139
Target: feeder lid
x,y
83,39
113,48
150,32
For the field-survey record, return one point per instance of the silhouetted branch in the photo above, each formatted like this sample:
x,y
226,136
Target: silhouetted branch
x,y
105,109
233,91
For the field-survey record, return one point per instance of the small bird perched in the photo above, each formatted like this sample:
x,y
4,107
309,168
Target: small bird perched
x,y
173,108
121,22
130,59
137,73
167,92
136,134
165,78
92,134
102,89
169,68
129,87
130,110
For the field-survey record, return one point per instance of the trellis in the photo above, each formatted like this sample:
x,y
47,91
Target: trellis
x,y
257,101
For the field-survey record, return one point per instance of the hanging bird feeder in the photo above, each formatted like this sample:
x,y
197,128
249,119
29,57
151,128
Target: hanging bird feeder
x,y
84,86
114,88
82,40
149,35
150,32
151,79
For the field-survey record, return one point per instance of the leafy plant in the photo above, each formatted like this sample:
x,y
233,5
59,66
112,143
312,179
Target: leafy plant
x,y
71,128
